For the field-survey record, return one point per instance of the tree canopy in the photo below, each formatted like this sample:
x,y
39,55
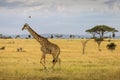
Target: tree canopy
x,y
101,30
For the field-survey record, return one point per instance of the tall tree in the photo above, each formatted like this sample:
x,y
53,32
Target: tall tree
x,y
101,30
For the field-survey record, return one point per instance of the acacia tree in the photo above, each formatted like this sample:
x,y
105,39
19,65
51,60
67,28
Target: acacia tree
x,y
58,36
101,30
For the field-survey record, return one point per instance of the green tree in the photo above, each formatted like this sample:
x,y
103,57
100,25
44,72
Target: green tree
x,y
17,36
111,46
58,36
72,36
101,30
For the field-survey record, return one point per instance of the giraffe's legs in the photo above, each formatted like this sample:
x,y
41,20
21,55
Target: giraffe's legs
x,y
53,65
42,61
55,61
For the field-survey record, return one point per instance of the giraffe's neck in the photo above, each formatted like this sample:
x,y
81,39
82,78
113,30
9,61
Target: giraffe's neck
x,y
39,38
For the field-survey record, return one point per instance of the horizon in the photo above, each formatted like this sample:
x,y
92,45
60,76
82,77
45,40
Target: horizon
x,y
64,36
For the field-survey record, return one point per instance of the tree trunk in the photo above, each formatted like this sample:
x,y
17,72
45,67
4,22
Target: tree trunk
x,y
84,45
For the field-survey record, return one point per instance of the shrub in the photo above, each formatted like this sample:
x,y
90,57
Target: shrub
x,y
111,46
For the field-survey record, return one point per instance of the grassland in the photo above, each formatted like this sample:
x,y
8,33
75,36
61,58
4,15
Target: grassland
x,y
93,65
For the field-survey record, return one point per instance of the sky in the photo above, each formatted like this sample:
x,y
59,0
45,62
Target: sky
x,y
58,16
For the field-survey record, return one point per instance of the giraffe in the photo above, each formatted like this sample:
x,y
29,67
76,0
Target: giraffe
x,y
47,47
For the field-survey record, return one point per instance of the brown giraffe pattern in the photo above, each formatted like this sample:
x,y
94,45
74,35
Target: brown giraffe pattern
x,y
47,47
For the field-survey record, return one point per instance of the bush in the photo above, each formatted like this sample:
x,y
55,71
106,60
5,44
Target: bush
x,y
111,46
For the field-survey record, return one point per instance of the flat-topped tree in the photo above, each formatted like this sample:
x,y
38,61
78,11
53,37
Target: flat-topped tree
x,y
101,30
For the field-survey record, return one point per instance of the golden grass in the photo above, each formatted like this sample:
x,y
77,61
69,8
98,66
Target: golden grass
x,y
93,65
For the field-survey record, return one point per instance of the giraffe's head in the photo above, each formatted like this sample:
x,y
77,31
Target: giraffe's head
x,y
26,26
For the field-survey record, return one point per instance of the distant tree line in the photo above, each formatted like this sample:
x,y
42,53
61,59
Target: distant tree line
x,y
62,36
57,36
5,37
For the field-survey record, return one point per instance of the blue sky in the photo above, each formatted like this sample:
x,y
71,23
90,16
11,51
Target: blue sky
x,y
58,16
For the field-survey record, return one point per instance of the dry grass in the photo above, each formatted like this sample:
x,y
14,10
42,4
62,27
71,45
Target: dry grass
x,y
93,65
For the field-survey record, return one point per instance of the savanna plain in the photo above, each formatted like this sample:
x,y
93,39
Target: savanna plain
x,y
92,65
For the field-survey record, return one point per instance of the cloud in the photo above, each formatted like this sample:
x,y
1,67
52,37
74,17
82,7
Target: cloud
x,y
113,5
13,4
61,5
9,5
111,2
